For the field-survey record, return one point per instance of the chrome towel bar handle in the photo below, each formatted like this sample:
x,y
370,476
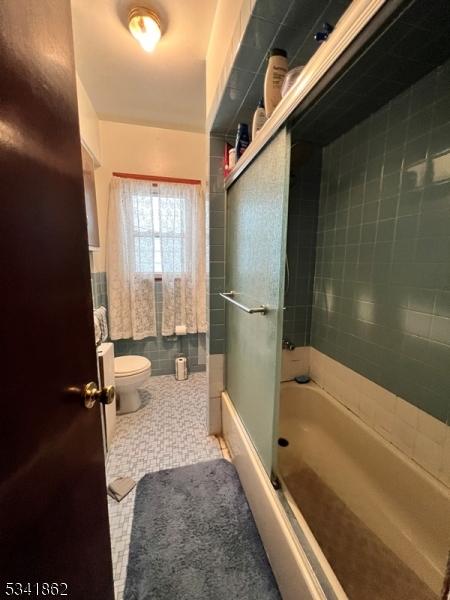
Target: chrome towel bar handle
x,y
229,297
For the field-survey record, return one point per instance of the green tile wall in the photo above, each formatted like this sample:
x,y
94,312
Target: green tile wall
x,y
216,265
161,351
382,282
304,188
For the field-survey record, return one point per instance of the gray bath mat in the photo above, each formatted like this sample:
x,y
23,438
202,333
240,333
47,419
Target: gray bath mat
x,y
194,538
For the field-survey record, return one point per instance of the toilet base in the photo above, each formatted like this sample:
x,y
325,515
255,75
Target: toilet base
x,y
129,401
127,389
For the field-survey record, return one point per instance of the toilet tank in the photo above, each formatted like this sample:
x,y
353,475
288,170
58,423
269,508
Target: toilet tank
x,y
105,353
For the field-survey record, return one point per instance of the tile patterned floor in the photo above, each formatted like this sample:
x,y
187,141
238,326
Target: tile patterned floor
x,y
169,431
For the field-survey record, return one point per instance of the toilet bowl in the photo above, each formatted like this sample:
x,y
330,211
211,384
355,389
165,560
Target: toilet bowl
x,y
131,373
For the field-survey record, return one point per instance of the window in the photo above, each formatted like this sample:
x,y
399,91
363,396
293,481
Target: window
x,y
149,213
155,229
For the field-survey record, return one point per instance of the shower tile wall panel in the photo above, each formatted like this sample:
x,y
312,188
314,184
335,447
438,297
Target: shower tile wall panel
x,y
287,24
161,351
406,50
304,192
382,283
216,246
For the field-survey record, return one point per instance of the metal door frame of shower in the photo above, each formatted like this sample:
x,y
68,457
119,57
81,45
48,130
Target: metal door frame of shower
x,y
258,311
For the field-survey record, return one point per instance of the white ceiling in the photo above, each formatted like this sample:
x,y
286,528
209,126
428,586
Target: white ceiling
x,y
165,88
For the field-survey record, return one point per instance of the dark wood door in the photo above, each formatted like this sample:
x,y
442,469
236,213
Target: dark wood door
x,y
53,509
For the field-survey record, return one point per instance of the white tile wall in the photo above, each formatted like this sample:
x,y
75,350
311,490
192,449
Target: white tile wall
x,y
216,364
420,436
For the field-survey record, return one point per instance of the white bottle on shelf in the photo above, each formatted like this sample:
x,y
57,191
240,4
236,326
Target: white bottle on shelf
x,y
259,118
231,158
277,68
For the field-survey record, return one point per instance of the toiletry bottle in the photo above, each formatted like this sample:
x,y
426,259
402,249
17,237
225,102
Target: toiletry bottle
x,y
232,158
276,71
226,164
259,118
242,139
324,34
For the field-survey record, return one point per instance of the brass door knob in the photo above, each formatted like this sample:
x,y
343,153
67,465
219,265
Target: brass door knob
x,y
92,394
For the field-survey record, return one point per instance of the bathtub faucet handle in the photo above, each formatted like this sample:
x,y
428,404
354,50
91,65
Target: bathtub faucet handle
x,y
287,345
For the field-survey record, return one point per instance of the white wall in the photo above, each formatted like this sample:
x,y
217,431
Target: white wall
x,y
89,123
224,40
146,151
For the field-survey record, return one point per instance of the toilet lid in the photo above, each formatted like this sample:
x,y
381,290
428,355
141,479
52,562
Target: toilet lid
x,y
130,365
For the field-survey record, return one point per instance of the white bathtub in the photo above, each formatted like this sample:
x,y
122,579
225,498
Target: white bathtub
x,y
404,506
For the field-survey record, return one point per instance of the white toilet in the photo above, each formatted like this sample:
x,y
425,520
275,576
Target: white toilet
x,y
130,373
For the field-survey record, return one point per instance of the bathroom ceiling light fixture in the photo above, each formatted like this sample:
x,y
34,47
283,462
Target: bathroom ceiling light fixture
x,y
145,27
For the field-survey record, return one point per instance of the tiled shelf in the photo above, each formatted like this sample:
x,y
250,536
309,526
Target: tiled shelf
x,y
352,22
377,50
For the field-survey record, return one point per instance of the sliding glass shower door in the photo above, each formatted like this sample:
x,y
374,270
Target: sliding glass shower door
x,y
256,240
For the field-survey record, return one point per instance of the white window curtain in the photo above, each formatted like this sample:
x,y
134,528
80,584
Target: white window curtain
x,y
155,229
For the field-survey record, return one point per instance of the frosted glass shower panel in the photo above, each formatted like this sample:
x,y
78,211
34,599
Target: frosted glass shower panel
x,y
256,240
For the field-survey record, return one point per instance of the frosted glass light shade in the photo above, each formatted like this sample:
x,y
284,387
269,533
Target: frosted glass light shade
x,y
145,27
